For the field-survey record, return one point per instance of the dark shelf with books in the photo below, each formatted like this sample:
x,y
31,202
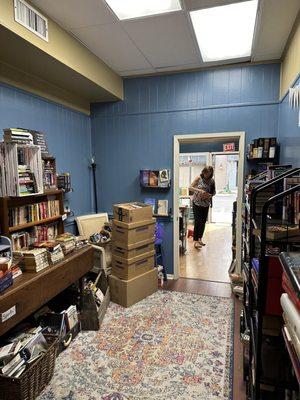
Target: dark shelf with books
x,y
23,219
271,226
155,179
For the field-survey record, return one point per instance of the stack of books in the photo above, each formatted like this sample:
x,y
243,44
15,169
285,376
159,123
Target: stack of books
x,y
40,140
35,260
54,249
26,180
17,135
80,242
67,242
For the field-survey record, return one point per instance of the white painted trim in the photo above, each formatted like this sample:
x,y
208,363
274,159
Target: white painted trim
x,y
170,276
177,139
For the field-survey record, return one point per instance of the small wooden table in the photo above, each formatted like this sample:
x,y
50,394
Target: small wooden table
x,y
32,290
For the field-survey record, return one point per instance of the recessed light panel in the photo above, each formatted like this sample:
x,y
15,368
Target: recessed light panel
x,y
225,32
127,9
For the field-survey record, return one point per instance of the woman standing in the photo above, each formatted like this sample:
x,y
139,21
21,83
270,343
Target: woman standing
x,y
204,189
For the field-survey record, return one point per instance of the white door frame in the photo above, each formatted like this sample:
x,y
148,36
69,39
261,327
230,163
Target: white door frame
x,y
177,139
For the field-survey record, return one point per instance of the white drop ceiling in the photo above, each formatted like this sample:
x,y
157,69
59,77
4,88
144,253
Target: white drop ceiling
x,y
163,42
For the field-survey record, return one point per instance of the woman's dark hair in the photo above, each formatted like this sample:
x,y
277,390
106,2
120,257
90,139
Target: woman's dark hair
x,y
207,170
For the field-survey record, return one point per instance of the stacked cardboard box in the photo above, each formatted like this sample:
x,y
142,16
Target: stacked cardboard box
x,y
133,255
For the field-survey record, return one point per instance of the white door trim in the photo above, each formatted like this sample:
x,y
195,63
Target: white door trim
x,y
177,139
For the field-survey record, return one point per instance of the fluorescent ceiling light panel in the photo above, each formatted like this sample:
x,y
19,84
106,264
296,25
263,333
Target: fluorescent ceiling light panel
x,y
127,9
225,32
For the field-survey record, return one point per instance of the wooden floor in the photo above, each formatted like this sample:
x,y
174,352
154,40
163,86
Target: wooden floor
x,y
211,263
221,290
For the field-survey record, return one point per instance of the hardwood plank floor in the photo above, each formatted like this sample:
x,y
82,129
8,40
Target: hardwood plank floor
x,y
213,260
221,290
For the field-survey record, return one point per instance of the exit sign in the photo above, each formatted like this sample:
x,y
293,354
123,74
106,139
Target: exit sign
x,y
229,147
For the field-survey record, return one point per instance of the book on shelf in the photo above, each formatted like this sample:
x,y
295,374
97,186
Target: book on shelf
x,y
266,147
39,139
162,207
144,177
260,148
153,178
33,212
151,202
272,147
49,173
26,180
63,181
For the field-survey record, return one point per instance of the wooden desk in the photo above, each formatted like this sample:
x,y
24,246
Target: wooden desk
x,y
32,290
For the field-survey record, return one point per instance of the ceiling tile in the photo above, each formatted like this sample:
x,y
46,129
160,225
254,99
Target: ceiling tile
x,y
198,4
111,44
275,24
76,13
165,40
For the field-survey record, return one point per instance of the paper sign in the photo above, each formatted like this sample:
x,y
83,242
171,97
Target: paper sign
x,y
229,147
64,217
8,314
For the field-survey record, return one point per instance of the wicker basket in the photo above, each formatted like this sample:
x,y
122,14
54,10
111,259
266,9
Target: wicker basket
x,y
34,379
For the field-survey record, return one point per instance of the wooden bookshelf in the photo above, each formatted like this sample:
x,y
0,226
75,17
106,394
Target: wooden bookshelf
x,y
11,202
34,223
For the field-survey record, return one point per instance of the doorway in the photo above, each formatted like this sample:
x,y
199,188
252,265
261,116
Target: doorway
x,y
229,182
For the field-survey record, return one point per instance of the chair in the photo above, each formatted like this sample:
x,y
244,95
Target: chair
x,y
87,226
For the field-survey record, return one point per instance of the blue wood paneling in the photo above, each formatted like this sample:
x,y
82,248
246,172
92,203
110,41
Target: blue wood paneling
x,y
138,133
68,135
289,133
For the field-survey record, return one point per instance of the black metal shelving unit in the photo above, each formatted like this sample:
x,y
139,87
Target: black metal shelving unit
x,y
255,244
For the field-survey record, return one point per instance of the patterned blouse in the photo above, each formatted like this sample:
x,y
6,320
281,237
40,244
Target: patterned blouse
x,y
209,187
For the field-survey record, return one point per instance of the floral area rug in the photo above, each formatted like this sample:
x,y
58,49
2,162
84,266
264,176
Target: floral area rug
x,y
169,346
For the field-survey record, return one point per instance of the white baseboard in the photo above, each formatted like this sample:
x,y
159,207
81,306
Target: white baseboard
x,y
170,276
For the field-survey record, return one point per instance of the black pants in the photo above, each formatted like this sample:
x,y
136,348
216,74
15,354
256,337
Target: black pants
x,y
200,216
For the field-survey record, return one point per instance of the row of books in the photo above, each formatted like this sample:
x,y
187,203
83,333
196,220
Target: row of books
x,y
41,233
33,212
26,136
26,180
262,148
155,178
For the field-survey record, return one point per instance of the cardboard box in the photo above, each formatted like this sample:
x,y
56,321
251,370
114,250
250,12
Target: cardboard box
x,y
127,293
132,212
128,269
128,251
133,233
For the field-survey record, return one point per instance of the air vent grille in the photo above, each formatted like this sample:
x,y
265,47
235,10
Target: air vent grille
x,y
27,16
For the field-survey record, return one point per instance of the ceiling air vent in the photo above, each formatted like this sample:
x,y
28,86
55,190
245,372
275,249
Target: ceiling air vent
x,y
27,16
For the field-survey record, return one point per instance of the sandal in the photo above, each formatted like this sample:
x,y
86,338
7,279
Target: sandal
x,y
201,243
197,245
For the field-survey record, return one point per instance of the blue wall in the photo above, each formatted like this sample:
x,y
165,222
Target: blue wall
x,y
289,132
67,133
138,132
